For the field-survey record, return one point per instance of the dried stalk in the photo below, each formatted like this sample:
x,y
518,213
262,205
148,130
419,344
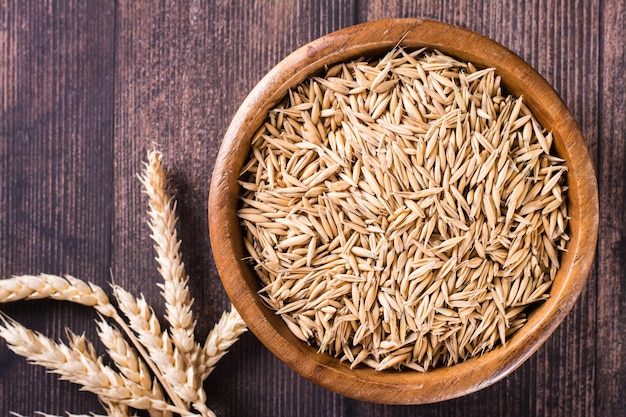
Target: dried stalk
x,y
155,362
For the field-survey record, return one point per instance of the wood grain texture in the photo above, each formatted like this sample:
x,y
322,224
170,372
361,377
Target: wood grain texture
x,y
86,89
611,282
175,86
56,174
242,284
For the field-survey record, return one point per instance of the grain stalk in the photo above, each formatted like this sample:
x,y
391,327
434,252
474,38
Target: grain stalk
x,y
154,366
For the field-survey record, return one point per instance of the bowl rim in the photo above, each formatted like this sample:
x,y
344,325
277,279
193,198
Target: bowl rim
x,y
407,387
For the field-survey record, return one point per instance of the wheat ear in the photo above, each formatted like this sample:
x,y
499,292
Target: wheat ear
x,y
126,359
131,366
220,338
67,414
166,362
39,413
115,409
77,362
167,246
112,409
175,290
178,363
68,288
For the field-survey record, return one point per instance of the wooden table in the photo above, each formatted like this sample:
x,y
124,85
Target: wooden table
x,y
86,88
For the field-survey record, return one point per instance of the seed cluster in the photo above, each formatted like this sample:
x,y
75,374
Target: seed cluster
x,y
157,369
403,212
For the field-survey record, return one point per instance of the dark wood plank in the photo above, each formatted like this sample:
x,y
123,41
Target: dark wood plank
x,y
611,339
559,379
70,201
56,118
183,70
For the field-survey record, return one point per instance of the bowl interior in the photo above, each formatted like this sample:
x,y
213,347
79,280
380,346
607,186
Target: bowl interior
x,y
407,387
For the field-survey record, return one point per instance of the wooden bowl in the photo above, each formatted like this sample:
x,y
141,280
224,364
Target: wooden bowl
x,y
403,387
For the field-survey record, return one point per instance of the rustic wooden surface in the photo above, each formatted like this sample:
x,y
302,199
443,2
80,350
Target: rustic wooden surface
x,y
87,87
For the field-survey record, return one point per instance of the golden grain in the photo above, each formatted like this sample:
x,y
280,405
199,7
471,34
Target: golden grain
x,y
403,212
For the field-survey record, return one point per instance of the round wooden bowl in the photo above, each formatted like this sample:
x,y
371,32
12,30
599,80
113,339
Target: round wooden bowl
x,y
403,387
